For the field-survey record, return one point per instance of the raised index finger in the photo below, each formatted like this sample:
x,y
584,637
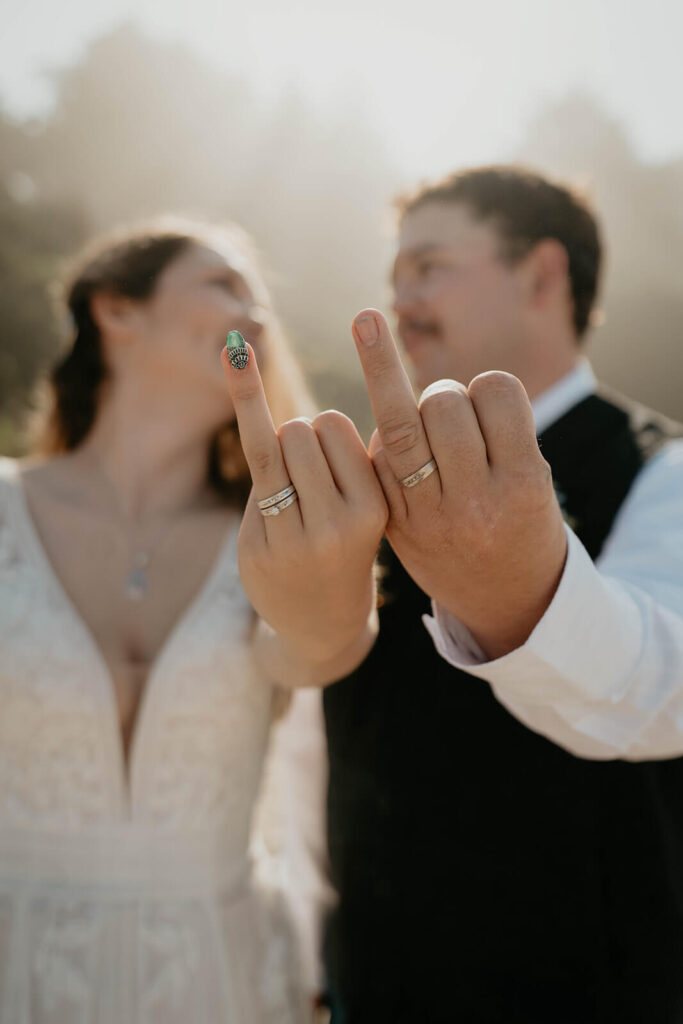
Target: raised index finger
x,y
397,416
259,440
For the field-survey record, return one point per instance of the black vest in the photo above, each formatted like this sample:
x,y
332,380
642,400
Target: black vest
x,y
485,874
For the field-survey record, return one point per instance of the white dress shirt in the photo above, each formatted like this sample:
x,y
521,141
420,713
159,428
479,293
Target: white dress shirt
x,y
602,672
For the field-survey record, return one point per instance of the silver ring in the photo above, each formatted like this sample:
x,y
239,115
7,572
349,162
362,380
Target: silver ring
x,y
419,474
275,510
275,498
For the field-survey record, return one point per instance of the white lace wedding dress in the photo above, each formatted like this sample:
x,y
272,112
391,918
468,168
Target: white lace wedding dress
x,y
130,897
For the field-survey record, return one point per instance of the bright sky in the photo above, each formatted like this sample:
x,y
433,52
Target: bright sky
x,y
443,82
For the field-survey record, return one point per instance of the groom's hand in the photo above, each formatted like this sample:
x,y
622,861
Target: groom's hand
x,y
482,534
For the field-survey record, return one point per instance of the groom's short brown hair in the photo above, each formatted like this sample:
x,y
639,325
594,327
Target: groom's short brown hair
x,y
526,207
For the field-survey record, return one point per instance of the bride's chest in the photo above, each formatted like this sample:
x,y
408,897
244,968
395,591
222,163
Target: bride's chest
x,y
130,597
201,726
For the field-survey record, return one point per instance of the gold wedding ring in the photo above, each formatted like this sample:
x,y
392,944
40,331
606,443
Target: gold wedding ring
x,y
419,474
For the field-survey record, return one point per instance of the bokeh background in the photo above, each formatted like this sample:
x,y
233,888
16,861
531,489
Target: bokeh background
x,y
301,121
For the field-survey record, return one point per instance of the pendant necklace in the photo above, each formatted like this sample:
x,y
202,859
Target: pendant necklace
x,y
136,583
136,580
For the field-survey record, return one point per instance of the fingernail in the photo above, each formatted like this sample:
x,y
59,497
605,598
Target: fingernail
x,y
238,353
367,329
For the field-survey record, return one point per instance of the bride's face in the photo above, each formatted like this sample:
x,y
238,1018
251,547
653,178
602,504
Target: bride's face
x,y
177,334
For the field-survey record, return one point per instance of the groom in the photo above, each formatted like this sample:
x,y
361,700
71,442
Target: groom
x,y
497,860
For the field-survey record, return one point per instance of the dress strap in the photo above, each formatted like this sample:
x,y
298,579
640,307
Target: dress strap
x,y
9,468
9,484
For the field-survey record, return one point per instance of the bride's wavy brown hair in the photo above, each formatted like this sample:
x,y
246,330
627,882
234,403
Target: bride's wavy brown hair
x,y
128,263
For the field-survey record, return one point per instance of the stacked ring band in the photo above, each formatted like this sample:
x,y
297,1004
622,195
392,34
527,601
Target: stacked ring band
x,y
275,499
419,474
275,510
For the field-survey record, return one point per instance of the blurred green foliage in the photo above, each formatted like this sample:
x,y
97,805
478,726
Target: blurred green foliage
x,y
34,237
140,127
638,348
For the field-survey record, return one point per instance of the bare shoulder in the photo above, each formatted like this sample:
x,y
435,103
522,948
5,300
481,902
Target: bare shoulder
x,y
55,478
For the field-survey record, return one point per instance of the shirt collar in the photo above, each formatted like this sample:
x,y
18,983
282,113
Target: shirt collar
x,y
562,396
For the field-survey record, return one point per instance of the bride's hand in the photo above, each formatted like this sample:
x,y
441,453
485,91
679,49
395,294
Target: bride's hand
x,y
307,569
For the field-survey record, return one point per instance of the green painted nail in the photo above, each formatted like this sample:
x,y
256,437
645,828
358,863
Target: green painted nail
x,y
238,353
235,340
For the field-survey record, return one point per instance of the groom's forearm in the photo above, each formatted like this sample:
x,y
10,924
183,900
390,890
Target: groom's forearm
x,y
601,673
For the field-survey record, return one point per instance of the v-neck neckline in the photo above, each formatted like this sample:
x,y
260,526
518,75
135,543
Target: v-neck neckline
x,y
126,765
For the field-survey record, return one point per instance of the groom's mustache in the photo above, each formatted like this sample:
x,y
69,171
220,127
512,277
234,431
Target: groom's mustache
x,y
414,328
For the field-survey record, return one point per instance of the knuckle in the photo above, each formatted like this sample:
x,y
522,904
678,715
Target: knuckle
x,y
401,435
378,363
531,483
263,459
331,419
296,428
446,384
295,434
495,382
538,470
443,400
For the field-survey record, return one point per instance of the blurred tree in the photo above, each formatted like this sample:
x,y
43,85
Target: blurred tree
x,y
142,126
34,236
638,347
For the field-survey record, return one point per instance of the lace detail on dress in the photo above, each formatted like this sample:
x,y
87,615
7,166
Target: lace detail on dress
x,y
171,951
61,969
139,905
204,753
51,760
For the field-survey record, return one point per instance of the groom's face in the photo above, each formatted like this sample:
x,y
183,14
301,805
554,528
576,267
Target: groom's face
x,y
460,305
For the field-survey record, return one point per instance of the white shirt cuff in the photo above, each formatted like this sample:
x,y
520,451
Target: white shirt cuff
x,y
588,640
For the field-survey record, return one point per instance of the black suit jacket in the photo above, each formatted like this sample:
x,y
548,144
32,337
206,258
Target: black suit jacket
x,y
485,874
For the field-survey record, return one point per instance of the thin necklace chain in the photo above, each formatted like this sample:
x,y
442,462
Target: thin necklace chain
x,y
136,580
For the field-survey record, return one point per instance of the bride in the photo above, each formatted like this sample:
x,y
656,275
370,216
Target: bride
x,y
137,681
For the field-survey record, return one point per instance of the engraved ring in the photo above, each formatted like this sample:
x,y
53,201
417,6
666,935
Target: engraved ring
x,y
275,510
275,498
419,474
